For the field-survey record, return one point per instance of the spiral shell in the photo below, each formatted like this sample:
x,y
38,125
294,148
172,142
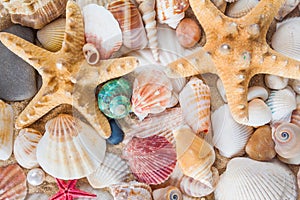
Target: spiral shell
x,y
167,193
241,8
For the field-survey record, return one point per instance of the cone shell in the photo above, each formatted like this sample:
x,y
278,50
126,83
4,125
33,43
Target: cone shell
x,y
249,179
275,82
152,159
241,8
229,137
258,113
6,130
167,193
194,100
130,21
70,149
25,147
12,182
113,170
167,13
131,191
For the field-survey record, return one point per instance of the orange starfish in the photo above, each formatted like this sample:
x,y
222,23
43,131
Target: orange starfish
x,y
67,77
236,50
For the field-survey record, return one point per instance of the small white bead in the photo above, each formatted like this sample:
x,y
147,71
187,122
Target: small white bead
x,y
35,176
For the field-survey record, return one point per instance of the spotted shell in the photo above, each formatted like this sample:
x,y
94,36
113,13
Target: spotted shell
x,y
167,12
167,193
131,191
241,8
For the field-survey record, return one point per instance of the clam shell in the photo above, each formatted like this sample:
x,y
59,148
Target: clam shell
x,y
275,82
70,149
101,194
167,193
257,92
167,13
6,130
25,147
249,179
258,113
229,136
112,170
188,33
131,191
151,159
12,182
241,8
286,8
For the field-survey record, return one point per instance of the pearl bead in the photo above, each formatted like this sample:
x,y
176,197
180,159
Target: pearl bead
x,y
35,177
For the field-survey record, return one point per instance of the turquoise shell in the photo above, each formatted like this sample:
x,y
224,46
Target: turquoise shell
x,y
114,98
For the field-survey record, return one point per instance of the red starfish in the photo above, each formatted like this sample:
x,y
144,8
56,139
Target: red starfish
x,y
67,191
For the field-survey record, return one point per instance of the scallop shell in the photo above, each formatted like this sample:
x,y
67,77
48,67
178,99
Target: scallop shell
x,y
188,33
34,13
130,21
286,8
113,170
106,34
241,8
287,143
252,180
25,147
275,82
12,182
195,102
258,113
6,130
286,39
257,92
151,159
91,54
167,13
131,191
229,137
70,149
101,194
167,193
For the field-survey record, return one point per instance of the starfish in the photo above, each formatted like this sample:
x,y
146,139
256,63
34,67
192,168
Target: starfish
x,y
236,49
67,191
67,77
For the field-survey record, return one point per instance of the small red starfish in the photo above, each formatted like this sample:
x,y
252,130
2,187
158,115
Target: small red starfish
x,y
67,191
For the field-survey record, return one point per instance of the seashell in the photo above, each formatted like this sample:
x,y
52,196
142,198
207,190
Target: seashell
x,y
188,33
112,170
229,137
195,101
286,39
105,35
249,179
83,3
240,8
51,36
167,193
6,130
295,119
298,179
186,197
130,21
281,103
70,149
221,90
257,92
287,143
101,194
152,93
220,4
35,13
25,147
37,196
12,182
151,159
275,82
296,86
114,98
117,135
35,176
260,146
286,8
91,54
131,191
167,13
178,84
258,113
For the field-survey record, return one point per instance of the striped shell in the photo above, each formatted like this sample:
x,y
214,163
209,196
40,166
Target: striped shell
x,y
241,8
167,12
131,191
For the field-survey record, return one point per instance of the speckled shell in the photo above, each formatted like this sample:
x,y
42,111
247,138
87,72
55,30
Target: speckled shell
x,y
131,191
241,8
167,193
37,196
167,13
151,159
12,182
275,82
258,113
80,148
34,13
130,21
25,147
6,130
249,179
188,33
286,8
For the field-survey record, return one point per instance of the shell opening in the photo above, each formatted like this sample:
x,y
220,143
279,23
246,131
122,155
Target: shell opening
x,y
120,106
91,54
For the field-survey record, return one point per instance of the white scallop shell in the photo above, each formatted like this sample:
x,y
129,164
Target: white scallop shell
x,y
275,82
112,170
258,113
229,136
286,8
131,191
101,194
241,8
252,180
221,90
70,149
166,13
257,92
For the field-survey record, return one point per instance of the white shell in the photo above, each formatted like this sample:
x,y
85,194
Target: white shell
x,y
6,130
252,180
131,191
221,90
37,196
166,13
286,8
35,176
229,137
83,3
275,82
296,85
241,8
101,194
258,113
257,92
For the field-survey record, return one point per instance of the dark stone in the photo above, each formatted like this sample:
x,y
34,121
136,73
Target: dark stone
x,y
117,135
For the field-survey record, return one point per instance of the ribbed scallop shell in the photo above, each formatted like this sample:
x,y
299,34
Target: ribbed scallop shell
x,y
12,183
6,130
131,191
241,8
229,136
25,147
112,170
151,159
167,13
194,100
167,193
252,180
101,194
70,149
130,21
286,39
258,113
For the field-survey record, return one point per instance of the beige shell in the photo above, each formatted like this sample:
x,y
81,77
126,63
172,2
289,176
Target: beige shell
x,y
131,191
167,13
295,84
167,193
286,8
241,8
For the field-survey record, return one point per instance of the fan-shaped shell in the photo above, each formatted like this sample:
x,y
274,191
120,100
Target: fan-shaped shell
x,y
131,191
167,13
275,82
258,113
70,149
167,193
25,147
151,159
241,8
257,92
101,194
6,130
229,137
113,170
194,100
249,179
221,90
106,34
12,182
